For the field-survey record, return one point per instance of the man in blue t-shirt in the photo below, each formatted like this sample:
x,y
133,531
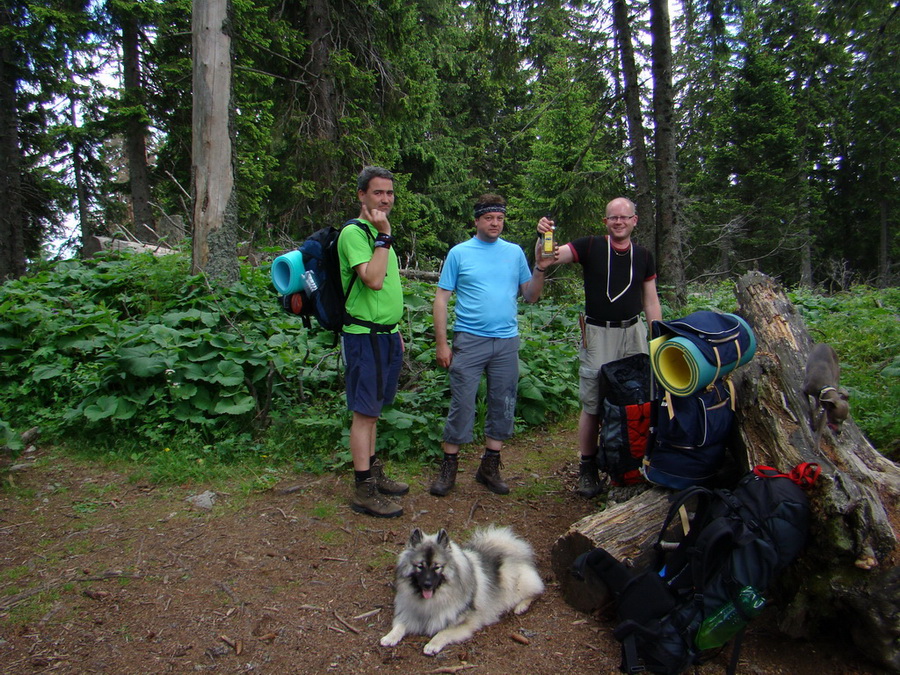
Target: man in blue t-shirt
x,y
487,274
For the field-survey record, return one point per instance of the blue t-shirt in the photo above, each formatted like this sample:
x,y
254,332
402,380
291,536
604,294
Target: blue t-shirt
x,y
486,278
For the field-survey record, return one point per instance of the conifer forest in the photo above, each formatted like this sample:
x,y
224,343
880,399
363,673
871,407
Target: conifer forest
x,y
751,134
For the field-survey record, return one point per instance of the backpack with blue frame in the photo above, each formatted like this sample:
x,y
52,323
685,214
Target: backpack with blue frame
x,y
690,436
716,553
322,295
694,401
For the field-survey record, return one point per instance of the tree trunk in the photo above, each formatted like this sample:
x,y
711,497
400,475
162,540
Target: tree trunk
x,y
323,92
848,572
668,235
643,198
12,213
81,198
136,131
884,264
215,202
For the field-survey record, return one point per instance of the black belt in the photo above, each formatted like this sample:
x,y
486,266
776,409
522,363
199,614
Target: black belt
x,y
613,324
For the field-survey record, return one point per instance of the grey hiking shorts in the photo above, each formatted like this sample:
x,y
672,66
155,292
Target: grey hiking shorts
x,y
473,356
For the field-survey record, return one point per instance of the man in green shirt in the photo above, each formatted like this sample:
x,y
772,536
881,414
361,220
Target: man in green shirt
x,y
371,343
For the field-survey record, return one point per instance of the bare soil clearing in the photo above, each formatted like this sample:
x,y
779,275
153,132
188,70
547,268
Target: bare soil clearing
x,y
100,574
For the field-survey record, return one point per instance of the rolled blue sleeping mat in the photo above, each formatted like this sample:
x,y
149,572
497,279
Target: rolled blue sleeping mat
x,y
681,367
751,350
287,273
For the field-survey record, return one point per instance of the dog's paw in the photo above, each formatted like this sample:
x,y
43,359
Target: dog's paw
x,y
434,646
522,607
392,638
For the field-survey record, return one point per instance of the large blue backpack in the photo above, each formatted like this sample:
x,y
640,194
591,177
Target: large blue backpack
x,y
712,546
690,436
694,404
323,296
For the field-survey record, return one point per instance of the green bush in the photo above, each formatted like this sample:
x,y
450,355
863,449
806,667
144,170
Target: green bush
x,y
134,358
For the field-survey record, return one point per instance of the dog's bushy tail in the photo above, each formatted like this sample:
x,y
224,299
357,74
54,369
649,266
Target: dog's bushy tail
x,y
500,543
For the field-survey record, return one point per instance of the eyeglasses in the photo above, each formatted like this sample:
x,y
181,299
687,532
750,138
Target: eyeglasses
x,y
616,219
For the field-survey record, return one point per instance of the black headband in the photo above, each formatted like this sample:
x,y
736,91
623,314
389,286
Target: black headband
x,y
481,209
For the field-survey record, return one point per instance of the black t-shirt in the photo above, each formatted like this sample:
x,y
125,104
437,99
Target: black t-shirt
x,y
612,294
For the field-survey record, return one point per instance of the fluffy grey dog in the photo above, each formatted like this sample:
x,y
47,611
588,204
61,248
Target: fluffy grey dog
x,y
449,591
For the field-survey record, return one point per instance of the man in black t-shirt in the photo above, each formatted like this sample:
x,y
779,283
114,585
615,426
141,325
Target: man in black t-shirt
x,y
619,283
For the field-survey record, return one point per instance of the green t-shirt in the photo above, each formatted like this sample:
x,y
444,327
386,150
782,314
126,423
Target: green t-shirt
x,y
384,306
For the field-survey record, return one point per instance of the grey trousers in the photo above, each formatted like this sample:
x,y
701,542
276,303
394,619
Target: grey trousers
x,y
498,358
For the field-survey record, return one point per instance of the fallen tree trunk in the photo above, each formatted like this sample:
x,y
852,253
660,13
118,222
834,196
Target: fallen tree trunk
x,y
94,245
848,572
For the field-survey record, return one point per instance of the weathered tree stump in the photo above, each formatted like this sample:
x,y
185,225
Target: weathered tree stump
x,y
848,571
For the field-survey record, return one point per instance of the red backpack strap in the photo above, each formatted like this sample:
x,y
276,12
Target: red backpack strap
x,y
805,474
764,471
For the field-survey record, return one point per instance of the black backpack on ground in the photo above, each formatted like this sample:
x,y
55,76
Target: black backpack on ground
x,y
712,548
625,387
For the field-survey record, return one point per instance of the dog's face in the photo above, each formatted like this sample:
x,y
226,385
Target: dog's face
x,y
836,406
423,562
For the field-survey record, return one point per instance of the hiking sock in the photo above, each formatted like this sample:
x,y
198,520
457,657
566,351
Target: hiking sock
x,y
363,475
490,453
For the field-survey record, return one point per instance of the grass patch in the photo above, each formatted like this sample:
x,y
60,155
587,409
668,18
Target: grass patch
x,y
332,537
13,573
324,511
32,609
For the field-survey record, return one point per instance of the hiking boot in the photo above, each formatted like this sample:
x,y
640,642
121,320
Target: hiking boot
x,y
385,485
488,474
589,483
446,477
367,500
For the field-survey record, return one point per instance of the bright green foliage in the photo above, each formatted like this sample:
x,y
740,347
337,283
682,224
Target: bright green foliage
x,y
135,357
862,327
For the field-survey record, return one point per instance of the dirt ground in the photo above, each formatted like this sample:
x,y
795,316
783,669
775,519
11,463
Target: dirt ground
x,y
102,573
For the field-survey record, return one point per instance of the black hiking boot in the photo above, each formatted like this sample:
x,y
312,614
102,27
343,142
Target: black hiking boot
x,y
446,478
589,483
488,474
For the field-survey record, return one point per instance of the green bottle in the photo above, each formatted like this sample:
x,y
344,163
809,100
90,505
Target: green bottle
x,y
724,624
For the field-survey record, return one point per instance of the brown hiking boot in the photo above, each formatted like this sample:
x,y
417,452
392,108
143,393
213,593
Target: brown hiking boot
x,y
385,485
589,483
488,474
446,477
367,500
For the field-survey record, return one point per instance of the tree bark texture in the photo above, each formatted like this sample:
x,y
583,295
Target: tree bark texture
x,y
136,131
668,234
12,214
643,196
215,201
848,572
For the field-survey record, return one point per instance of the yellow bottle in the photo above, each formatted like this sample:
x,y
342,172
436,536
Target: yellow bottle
x,y
547,244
